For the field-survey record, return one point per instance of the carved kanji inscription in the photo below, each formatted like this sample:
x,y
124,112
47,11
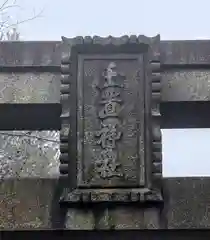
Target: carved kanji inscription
x,y
108,135
111,121
107,165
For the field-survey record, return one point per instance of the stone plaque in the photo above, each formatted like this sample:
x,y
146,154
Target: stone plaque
x,y
112,86
110,120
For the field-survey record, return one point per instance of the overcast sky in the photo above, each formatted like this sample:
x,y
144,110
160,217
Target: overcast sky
x,y
185,152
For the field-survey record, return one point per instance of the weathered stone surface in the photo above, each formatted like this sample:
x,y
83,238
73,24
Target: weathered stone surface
x,y
186,85
185,52
127,218
110,118
33,203
187,202
29,203
26,203
177,85
80,219
152,218
48,53
29,154
29,88
36,53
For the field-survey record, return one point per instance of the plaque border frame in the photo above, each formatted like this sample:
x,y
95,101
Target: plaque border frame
x,y
81,59
150,47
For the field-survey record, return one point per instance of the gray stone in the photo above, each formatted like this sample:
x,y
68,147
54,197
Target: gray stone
x,y
187,202
95,120
128,217
30,203
115,137
33,53
26,203
186,85
29,88
185,52
80,219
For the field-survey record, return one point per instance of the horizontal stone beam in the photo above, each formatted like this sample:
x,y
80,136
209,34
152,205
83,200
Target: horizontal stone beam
x,y
47,116
181,85
185,79
48,53
36,54
33,203
194,114
30,117
29,87
188,52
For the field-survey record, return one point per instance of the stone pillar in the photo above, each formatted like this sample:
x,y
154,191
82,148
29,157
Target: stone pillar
x,y
111,151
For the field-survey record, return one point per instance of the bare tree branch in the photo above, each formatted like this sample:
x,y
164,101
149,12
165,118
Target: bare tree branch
x,y
5,3
26,20
8,28
28,135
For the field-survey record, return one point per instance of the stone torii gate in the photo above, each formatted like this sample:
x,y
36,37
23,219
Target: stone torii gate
x,y
116,96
